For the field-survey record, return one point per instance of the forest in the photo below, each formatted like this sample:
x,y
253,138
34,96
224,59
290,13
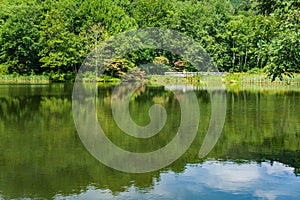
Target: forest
x,y
52,38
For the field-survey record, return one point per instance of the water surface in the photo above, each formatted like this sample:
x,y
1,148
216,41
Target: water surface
x,y
42,157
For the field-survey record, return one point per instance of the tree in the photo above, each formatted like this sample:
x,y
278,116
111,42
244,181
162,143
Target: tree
x,y
113,18
267,7
205,21
284,51
61,48
248,38
152,13
19,38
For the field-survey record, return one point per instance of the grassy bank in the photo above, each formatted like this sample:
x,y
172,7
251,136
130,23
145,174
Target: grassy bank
x,y
265,88
231,79
260,79
228,79
33,79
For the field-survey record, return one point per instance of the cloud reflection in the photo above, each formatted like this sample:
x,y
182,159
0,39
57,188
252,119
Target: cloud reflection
x,y
214,180
264,181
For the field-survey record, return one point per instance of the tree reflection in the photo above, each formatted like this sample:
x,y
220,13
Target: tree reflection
x,y
41,154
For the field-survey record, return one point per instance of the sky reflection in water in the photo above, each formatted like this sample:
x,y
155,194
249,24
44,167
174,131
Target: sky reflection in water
x,y
213,180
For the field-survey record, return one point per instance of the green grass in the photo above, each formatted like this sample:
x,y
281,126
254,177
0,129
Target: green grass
x,y
259,79
102,79
265,88
231,79
34,79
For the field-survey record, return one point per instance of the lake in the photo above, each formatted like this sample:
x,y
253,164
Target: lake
x,y
256,156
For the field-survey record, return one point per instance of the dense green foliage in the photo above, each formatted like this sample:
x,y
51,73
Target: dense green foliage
x,y
53,37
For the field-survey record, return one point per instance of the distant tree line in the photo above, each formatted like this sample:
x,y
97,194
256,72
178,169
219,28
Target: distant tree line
x,y
53,37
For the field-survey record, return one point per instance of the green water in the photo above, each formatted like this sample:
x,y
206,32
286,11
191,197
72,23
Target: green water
x,y
42,157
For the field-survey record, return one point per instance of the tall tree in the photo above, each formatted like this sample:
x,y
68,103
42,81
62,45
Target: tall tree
x,y
19,37
283,52
61,47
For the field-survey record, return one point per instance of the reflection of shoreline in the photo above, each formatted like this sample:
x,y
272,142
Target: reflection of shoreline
x,y
45,149
270,89
190,87
191,74
181,87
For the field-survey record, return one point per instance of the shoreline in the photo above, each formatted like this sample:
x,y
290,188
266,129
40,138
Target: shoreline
x,y
231,79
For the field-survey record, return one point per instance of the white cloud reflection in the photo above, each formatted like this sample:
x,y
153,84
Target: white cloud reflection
x,y
231,176
277,168
264,181
214,180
